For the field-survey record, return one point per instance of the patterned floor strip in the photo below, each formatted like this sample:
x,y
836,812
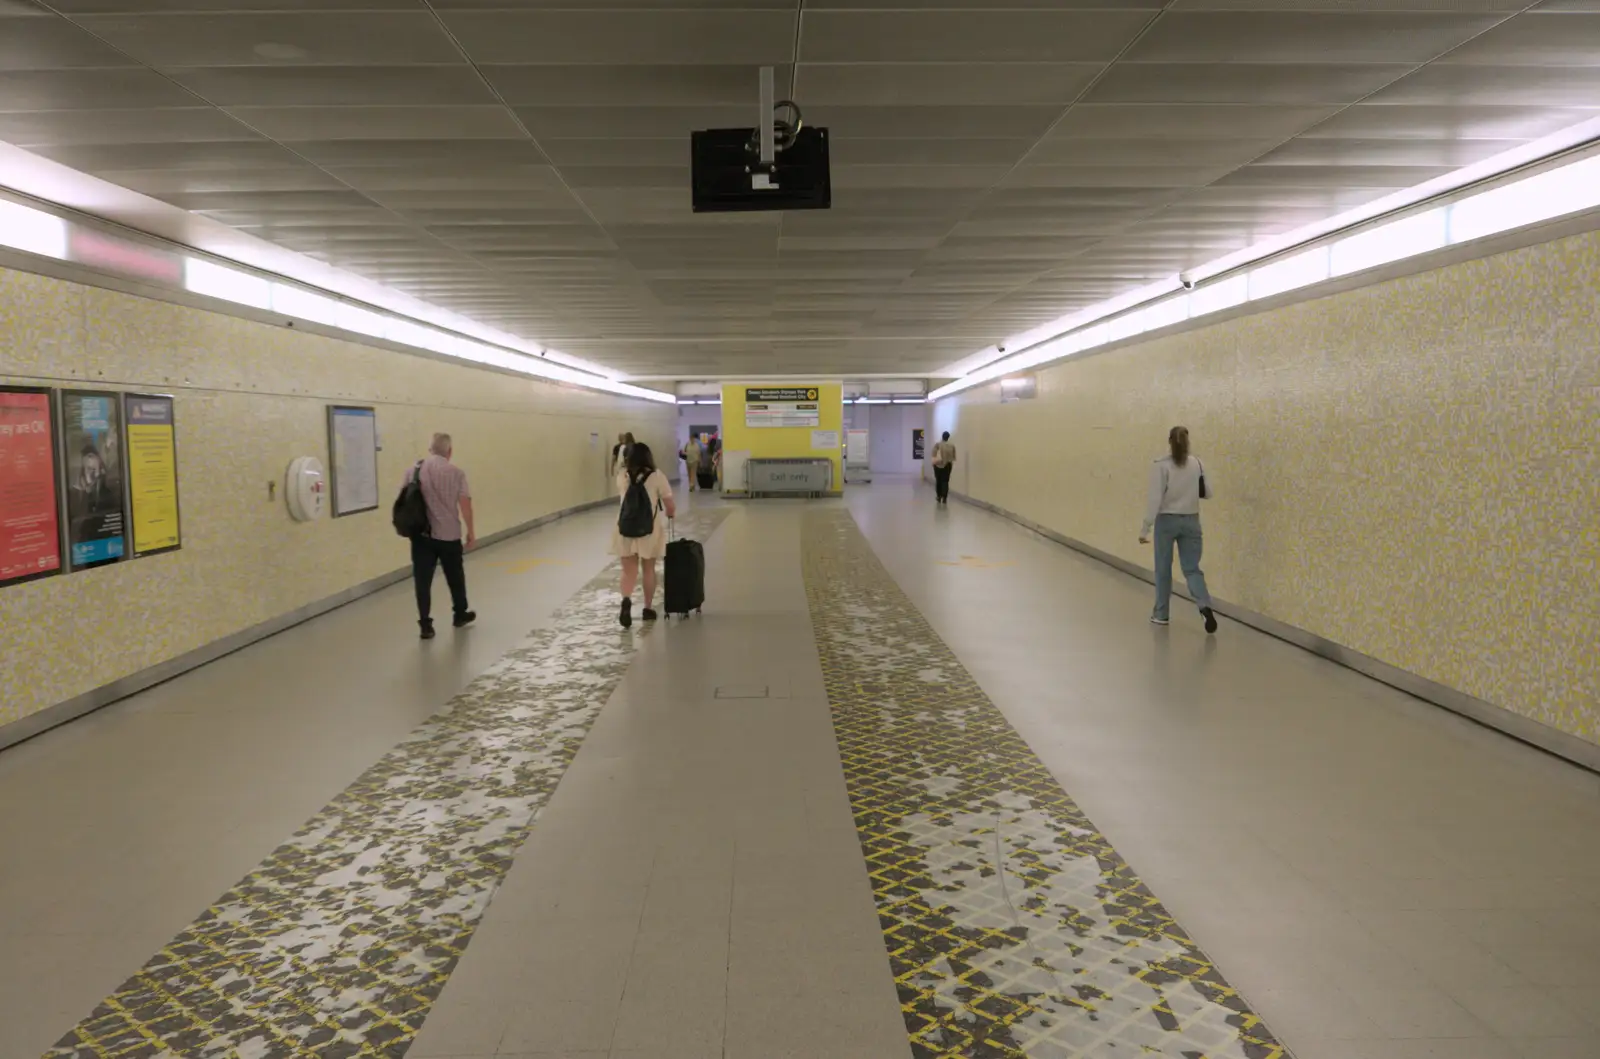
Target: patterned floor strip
x,y
338,943
1013,927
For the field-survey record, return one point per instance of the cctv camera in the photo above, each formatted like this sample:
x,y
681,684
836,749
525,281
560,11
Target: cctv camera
x,y
1187,282
1000,349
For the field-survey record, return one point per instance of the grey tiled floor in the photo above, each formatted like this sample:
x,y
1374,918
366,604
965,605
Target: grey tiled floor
x,y
1381,878
1382,881
695,888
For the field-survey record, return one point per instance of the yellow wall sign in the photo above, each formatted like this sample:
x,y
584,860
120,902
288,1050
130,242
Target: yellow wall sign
x,y
767,434
152,453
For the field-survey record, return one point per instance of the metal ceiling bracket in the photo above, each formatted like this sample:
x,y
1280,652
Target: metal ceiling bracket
x,y
769,140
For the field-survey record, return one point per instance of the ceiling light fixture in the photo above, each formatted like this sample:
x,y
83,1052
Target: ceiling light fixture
x,y
32,231
1542,196
45,233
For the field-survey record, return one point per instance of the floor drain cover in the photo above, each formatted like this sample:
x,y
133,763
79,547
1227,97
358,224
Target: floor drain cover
x,y
742,691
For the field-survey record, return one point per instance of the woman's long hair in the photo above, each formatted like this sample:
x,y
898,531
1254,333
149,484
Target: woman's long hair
x,y
1178,441
641,462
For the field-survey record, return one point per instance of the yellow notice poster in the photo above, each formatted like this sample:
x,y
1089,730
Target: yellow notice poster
x,y
152,474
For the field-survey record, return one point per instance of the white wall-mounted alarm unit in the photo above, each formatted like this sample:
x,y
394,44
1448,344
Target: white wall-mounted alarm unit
x,y
306,489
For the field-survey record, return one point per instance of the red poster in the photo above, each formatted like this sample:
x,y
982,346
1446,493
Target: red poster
x,y
30,532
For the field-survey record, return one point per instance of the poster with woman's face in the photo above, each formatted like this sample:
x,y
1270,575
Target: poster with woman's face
x,y
91,435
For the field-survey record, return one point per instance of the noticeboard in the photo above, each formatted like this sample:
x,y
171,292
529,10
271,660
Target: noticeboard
x,y
92,458
151,426
782,406
918,441
30,500
353,455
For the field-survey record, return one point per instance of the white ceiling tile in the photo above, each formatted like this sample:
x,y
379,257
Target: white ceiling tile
x,y
1187,120
1481,121
1290,84
943,84
1381,151
381,123
94,127
67,89
754,37
978,35
1537,38
96,7
52,44
285,86
1542,86
631,84
1151,151
253,38
1323,37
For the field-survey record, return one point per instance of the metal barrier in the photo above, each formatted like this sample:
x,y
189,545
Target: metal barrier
x,y
788,477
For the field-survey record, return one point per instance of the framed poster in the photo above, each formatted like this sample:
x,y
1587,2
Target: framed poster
x,y
787,406
91,444
30,500
918,439
152,464
353,455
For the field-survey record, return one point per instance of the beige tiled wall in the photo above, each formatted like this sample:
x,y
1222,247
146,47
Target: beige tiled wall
x,y
251,397
1409,469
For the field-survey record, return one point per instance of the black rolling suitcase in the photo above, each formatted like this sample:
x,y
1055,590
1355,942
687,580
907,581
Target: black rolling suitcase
x,y
707,479
685,588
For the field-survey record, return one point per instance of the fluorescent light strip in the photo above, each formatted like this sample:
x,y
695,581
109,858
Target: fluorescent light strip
x,y
32,231
1504,162
228,284
1543,196
35,231
244,288
1289,273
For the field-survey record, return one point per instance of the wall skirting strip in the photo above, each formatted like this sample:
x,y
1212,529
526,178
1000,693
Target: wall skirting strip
x,y
73,708
1524,729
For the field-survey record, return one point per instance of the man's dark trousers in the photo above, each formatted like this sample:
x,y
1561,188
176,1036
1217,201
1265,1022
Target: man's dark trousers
x,y
426,554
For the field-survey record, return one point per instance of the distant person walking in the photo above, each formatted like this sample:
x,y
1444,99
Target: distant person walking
x,y
449,502
619,455
621,471
944,461
1178,483
641,534
691,461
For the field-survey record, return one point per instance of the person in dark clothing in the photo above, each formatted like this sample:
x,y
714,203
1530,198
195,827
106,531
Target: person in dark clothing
x,y
944,461
449,500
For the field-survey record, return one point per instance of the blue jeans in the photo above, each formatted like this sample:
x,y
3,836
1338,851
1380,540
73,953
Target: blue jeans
x,y
1184,531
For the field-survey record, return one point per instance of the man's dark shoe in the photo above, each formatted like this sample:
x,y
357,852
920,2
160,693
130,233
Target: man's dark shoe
x,y
464,619
427,629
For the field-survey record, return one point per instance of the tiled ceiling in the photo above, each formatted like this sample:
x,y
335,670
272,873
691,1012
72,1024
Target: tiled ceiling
x,y
525,162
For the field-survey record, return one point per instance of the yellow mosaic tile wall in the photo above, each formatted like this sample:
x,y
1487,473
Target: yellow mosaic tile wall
x,y
251,397
1410,469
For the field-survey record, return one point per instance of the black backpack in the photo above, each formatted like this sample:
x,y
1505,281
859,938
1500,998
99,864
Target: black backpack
x,y
637,519
410,509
